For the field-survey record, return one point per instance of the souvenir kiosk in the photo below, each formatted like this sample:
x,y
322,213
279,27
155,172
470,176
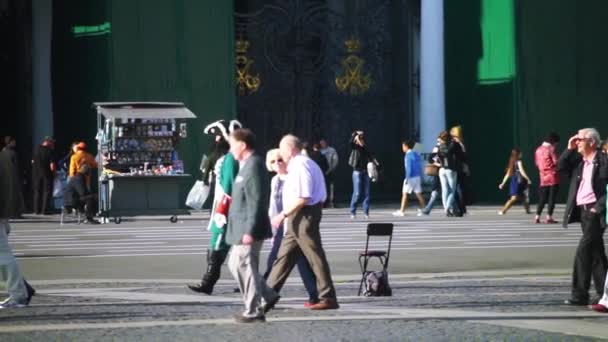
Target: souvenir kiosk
x,y
140,173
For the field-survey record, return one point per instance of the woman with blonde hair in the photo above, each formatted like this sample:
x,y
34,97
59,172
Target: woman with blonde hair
x,y
519,183
274,163
463,172
450,157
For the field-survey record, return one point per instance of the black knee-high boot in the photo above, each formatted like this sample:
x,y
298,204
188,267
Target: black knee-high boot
x,y
215,259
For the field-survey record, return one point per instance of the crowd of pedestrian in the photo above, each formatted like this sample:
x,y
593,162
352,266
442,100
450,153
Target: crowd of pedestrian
x,y
287,209
585,163
77,195
446,171
249,208
47,170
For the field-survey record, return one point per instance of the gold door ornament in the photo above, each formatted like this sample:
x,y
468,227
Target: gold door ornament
x,y
246,82
353,81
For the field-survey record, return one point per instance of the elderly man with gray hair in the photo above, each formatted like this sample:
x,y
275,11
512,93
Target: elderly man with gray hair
x,y
303,197
588,171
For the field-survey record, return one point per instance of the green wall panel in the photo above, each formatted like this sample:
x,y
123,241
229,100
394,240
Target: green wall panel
x,y
497,62
175,51
560,83
79,70
158,50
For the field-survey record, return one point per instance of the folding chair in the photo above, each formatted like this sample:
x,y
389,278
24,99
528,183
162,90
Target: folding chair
x,y
66,211
375,229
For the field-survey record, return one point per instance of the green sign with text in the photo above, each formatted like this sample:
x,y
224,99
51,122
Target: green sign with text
x,y
93,30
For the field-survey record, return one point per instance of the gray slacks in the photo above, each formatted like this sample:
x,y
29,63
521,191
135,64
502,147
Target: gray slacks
x,y
244,264
9,269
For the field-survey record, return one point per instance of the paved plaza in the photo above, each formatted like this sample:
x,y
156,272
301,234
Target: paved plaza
x,y
481,277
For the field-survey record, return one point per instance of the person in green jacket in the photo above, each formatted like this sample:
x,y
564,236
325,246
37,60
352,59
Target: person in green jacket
x,y
224,171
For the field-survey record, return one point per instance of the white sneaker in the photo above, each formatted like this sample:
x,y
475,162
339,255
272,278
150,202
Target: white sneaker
x,y
501,213
11,304
352,217
398,213
366,217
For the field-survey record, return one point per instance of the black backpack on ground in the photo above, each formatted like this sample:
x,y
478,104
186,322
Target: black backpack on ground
x,y
376,284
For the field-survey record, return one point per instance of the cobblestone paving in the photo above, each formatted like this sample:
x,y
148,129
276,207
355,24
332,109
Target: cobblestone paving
x,y
373,319
372,330
518,298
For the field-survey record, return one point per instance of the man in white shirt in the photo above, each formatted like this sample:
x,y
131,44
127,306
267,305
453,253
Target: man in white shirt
x,y
303,197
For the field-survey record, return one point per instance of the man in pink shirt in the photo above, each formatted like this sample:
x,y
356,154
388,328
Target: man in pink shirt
x,y
588,171
545,159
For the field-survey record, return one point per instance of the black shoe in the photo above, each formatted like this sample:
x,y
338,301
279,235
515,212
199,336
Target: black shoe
x,y
31,292
270,305
91,221
574,302
244,319
200,288
595,300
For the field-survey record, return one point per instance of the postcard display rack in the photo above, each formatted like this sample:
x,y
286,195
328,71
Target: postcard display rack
x,y
140,174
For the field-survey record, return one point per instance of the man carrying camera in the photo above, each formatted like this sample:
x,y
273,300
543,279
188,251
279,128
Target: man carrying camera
x,y
362,162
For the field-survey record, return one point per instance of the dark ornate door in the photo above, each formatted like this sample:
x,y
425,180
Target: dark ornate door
x,y
323,68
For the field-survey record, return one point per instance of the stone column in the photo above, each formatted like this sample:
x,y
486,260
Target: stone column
x,y
42,28
432,86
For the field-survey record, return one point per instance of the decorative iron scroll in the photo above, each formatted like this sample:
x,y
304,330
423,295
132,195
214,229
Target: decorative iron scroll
x,y
246,82
353,81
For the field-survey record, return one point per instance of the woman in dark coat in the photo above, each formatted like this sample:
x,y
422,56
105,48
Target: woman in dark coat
x,y
11,205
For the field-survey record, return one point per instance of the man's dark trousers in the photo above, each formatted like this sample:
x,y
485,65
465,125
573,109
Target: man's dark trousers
x,y
43,189
590,260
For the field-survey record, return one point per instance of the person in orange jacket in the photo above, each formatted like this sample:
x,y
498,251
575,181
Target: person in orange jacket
x,y
79,158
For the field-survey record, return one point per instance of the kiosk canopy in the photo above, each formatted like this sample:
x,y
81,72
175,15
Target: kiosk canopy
x,y
144,110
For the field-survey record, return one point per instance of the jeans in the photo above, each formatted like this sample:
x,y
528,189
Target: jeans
x,y
361,184
449,180
431,203
10,272
308,277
